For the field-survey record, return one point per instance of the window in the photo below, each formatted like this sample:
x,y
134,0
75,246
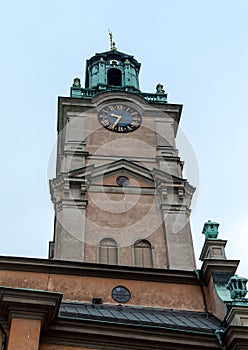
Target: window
x,y
143,253
108,251
114,77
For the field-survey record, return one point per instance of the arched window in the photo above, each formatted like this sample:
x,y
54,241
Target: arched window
x,y
143,253
108,251
114,77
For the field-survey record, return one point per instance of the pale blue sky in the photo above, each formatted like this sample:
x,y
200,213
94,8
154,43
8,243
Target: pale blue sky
x,y
197,49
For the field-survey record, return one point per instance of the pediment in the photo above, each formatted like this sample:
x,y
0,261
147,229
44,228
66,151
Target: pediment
x,y
163,178
166,178
138,175
107,174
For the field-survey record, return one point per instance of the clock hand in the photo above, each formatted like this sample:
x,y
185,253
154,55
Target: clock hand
x,y
115,115
118,118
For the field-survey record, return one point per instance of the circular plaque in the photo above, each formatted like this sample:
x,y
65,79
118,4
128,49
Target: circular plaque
x,y
121,294
122,181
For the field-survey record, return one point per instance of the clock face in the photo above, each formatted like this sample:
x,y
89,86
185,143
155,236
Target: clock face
x,y
119,117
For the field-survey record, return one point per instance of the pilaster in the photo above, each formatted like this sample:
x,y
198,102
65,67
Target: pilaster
x,y
175,198
25,312
72,146
68,196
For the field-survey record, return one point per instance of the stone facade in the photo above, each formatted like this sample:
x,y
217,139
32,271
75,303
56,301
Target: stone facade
x,y
90,206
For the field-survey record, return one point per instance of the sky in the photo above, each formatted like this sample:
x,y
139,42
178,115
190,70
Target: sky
x,y
197,49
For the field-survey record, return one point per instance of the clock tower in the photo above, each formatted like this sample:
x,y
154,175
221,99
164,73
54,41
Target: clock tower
x,y
119,194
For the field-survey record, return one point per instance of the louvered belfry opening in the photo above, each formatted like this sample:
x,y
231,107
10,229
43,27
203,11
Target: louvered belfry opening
x,y
114,77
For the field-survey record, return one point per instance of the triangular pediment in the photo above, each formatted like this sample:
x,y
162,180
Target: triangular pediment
x,y
138,175
107,174
163,178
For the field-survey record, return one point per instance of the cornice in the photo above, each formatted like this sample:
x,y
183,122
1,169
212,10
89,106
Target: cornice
x,y
103,335
235,338
217,265
97,270
28,304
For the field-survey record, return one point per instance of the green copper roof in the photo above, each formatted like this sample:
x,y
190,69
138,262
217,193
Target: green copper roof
x,y
113,71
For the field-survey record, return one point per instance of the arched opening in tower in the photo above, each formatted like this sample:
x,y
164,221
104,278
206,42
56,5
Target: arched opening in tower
x,y
114,77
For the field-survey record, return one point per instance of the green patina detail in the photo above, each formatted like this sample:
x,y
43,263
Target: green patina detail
x,y
231,290
113,71
112,68
89,93
237,287
222,292
210,229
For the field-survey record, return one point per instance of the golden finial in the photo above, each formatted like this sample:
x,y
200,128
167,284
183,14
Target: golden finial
x,y
112,43
111,39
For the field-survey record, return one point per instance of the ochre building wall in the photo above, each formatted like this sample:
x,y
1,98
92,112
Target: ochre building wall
x,y
84,288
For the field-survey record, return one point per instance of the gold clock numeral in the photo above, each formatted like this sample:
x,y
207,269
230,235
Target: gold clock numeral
x,y
134,123
111,127
120,128
120,107
105,122
129,128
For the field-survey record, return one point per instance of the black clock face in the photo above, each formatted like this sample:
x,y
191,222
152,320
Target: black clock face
x,y
119,117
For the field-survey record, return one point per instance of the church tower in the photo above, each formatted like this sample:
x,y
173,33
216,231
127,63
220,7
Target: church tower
x,y
119,194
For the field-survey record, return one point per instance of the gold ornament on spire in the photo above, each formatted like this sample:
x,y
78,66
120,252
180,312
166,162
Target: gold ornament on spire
x,y
112,43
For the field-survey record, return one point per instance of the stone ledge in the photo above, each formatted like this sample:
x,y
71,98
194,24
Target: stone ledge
x,y
95,334
235,338
217,265
63,267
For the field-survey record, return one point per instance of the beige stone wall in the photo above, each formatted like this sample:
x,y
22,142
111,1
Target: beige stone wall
x,y
179,241
125,218
140,144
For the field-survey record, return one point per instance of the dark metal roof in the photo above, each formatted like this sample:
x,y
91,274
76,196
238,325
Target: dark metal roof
x,y
173,319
